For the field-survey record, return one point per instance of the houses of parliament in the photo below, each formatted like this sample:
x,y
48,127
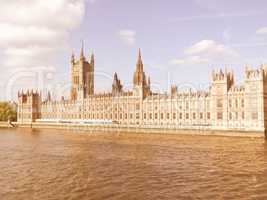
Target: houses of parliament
x,y
224,106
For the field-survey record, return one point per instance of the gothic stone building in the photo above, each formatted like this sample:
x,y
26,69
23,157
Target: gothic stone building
x,y
224,106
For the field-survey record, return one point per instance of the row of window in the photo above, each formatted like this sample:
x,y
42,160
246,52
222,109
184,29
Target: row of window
x,y
150,116
176,116
231,103
146,116
236,103
235,116
149,107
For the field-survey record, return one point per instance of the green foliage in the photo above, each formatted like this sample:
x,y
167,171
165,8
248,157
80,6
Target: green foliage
x,y
8,112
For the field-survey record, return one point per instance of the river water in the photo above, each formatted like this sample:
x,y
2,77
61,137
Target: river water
x,y
50,164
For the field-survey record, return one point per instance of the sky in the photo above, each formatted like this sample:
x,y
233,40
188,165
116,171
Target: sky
x,y
181,41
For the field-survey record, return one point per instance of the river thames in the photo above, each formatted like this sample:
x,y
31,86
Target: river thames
x,y
50,164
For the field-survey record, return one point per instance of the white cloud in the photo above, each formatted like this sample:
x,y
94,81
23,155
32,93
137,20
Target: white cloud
x,y
31,29
29,51
127,36
23,36
32,56
262,31
206,51
34,32
189,61
211,49
57,13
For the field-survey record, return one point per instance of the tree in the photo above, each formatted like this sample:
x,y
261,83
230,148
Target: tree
x,y
8,111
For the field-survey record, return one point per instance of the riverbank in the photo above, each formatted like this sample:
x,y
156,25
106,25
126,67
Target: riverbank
x,y
143,129
5,125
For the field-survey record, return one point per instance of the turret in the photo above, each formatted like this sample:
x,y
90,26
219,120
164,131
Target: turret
x,y
251,74
29,104
255,97
174,90
116,86
223,79
222,82
92,61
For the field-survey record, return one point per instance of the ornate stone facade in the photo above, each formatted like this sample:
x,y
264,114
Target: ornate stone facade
x,y
224,106
82,77
29,106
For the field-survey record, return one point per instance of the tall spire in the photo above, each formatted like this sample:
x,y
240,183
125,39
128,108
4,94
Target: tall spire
x,y
148,81
72,57
115,76
141,83
139,64
139,54
82,51
139,75
92,59
49,96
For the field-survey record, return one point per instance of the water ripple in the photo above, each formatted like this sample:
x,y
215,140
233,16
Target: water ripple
x,y
63,165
